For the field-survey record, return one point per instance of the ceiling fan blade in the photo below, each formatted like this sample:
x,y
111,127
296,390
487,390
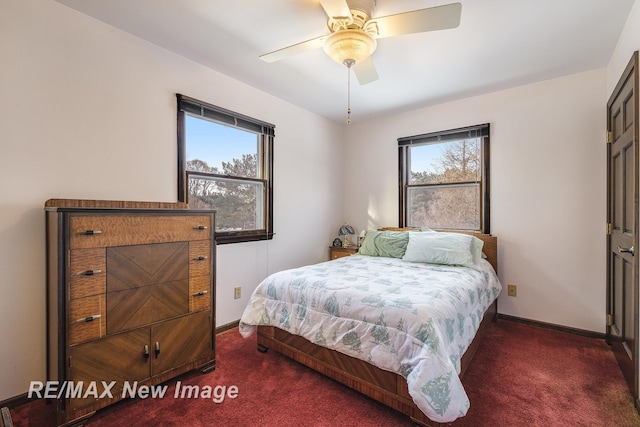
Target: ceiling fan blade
x,y
365,71
295,49
336,8
419,21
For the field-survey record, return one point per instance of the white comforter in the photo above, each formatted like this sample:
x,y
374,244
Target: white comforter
x,y
410,318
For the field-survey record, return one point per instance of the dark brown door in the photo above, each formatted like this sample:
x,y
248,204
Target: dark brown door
x,y
622,241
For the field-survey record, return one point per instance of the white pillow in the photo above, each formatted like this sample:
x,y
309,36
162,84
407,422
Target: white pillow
x,y
444,248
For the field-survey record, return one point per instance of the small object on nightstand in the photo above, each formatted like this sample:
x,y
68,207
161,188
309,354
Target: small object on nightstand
x,y
337,243
336,252
345,231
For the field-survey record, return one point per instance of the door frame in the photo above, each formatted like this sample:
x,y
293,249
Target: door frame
x,y
631,71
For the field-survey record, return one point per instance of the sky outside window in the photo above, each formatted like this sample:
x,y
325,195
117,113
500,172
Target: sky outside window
x,y
215,143
423,157
427,158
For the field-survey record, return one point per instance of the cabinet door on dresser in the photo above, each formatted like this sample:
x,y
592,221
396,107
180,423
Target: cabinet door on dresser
x,y
176,342
121,358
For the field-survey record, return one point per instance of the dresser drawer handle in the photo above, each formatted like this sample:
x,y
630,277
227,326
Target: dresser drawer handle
x,y
200,227
199,294
90,272
200,258
89,319
145,353
89,232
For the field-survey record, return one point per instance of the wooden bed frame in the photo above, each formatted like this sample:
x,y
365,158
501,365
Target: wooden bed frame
x,y
386,387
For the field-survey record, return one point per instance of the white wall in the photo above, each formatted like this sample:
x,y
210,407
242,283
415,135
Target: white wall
x,y
548,176
628,43
88,111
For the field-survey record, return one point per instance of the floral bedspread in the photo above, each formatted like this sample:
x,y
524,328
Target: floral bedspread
x,y
410,318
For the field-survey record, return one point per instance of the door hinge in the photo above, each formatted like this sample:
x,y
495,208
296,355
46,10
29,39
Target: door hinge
x,y
609,137
609,320
70,362
609,229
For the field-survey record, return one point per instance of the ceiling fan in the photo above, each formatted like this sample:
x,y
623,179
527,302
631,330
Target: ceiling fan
x,y
354,30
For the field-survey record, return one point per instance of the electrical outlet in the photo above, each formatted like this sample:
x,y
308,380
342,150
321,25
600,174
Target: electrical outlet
x,y
237,292
511,290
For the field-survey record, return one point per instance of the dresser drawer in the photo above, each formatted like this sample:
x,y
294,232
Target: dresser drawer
x,y
141,306
87,272
87,319
92,231
138,266
200,258
199,293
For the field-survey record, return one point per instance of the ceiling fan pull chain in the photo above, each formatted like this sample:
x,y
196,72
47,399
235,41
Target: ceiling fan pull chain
x,y
349,63
348,95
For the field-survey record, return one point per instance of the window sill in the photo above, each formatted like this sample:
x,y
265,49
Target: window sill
x,y
223,238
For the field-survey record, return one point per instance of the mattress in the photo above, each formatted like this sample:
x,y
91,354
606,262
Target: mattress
x,y
414,319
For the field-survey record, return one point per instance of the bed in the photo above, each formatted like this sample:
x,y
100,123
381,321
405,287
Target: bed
x,y
370,323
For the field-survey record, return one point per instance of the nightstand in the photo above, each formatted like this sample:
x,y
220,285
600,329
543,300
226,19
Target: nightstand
x,y
338,251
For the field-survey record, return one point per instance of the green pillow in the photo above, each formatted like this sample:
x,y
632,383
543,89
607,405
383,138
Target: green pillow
x,y
390,244
444,248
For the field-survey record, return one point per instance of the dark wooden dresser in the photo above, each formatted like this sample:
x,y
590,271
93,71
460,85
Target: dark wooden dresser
x,y
130,299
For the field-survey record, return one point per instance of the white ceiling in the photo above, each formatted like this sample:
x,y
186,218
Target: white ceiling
x,y
499,44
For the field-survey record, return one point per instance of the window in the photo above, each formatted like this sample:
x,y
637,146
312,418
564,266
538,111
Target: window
x,y
444,179
225,162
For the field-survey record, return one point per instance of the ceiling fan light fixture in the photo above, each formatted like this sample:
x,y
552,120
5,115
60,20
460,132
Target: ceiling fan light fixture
x,y
353,44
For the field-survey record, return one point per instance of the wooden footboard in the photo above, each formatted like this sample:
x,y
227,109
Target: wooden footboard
x,y
384,386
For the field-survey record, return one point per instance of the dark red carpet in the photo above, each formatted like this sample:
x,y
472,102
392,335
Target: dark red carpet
x,y
521,376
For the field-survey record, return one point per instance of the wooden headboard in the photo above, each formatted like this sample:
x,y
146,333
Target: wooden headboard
x,y
490,247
